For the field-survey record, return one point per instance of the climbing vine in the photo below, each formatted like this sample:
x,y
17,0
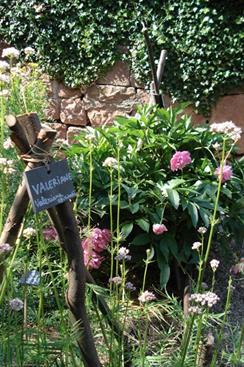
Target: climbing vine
x,y
77,41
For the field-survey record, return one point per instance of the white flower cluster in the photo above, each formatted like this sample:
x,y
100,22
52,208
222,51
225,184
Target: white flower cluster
x,y
110,162
16,304
5,248
202,230
123,254
208,299
214,264
196,245
4,65
115,280
7,144
10,52
228,128
7,165
29,51
146,297
195,310
4,78
29,232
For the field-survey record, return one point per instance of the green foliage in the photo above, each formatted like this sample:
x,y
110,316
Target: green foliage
x,y
78,41
148,192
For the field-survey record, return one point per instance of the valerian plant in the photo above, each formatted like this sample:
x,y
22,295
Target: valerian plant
x,y
168,173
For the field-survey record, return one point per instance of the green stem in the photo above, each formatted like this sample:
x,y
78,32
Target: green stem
x,y
145,339
213,220
198,339
220,334
238,353
111,229
118,210
186,339
90,186
145,275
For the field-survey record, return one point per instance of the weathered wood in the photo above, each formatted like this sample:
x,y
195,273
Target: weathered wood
x,y
34,144
75,296
39,140
18,134
31,125
161,64
97,299
157,98
151,61
18,209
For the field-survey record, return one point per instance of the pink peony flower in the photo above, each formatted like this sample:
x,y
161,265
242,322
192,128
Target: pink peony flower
x,y
50,234
93,245
226,173
100,239
159,228
180,160
92,260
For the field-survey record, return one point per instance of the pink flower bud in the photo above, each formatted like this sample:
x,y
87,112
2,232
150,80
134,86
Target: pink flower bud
x,y
50,234
159,228
226,173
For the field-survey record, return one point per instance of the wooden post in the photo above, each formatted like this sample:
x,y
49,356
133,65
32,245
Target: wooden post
x,y
27,134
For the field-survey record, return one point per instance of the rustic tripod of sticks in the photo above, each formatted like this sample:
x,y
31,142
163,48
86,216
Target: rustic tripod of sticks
x,y
34,143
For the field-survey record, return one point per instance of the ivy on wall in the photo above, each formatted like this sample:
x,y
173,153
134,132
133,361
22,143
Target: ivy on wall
x,y
77,41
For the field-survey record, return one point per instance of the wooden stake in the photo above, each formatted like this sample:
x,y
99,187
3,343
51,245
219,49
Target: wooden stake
x,y
75,297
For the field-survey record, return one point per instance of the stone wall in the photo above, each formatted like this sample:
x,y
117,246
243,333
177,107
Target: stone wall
x,y
117,93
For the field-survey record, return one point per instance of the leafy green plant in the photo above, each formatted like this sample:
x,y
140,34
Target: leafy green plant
x,y
149,192
78,41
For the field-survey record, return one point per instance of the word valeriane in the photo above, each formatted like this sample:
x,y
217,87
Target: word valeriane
x,y
51,184
179,160
93,245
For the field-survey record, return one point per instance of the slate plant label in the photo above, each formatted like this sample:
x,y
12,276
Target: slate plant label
x,y
50,185
32,278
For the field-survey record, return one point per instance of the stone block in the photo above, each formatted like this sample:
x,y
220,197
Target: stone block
x,y
67,92
99,94
231,108
118,75
142,96
73,112
103,103
72,133
60,128
104,115
196,118
53,110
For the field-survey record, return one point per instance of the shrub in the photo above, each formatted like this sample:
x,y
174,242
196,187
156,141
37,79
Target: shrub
x,y
78,41
127,173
